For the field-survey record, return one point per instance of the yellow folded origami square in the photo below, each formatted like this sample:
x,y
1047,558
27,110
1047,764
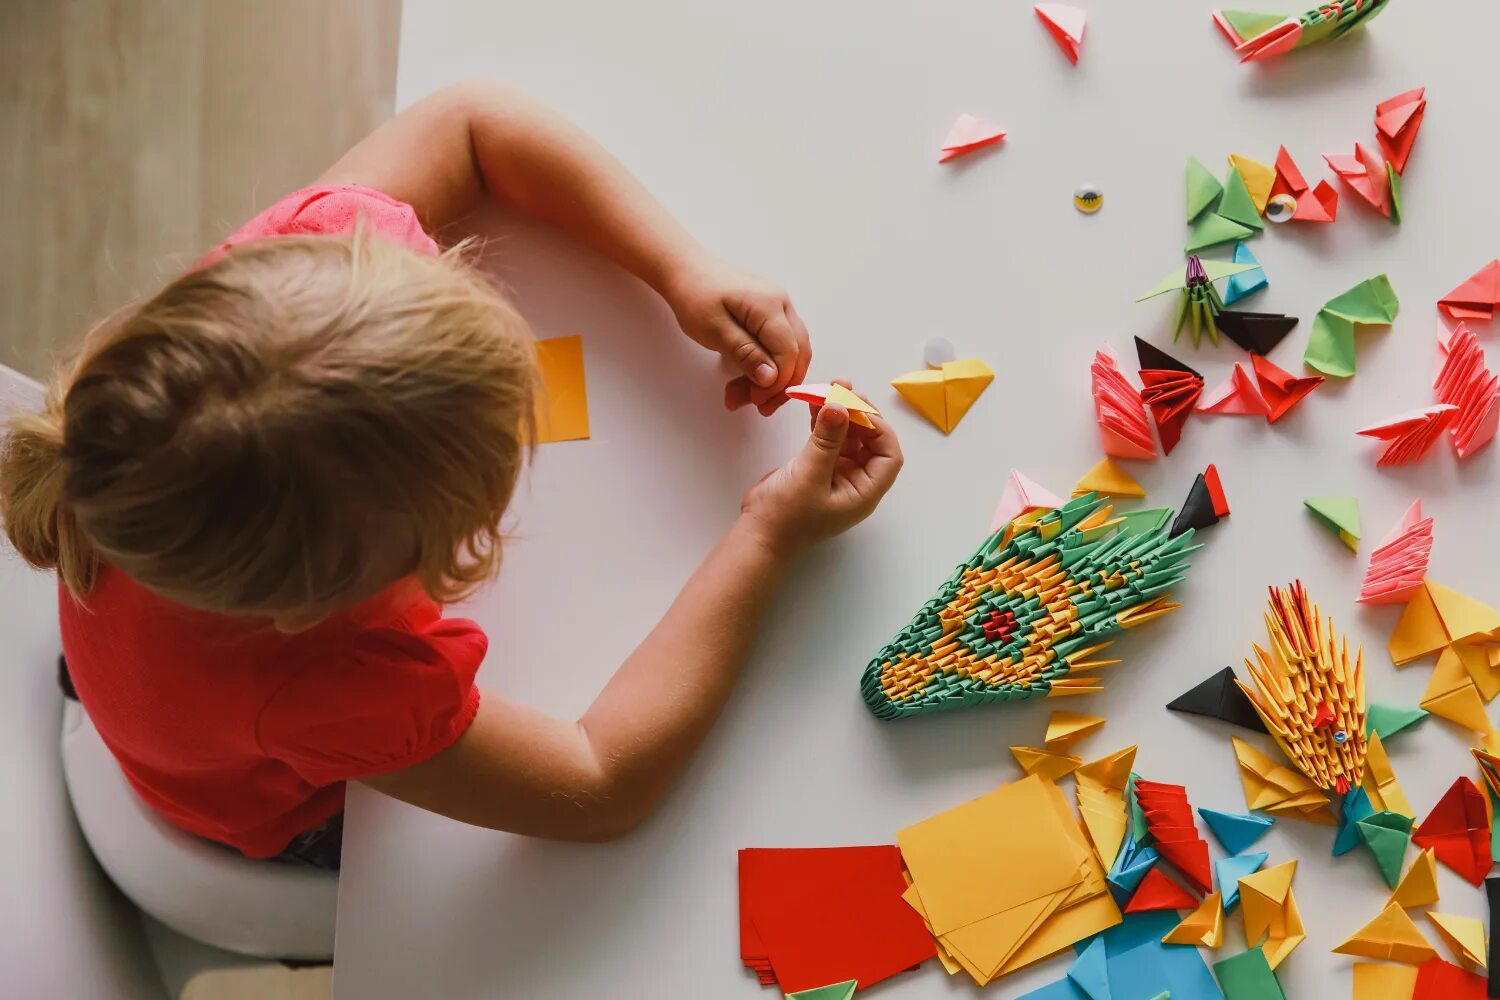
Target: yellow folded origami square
x,y
1271,912
943,395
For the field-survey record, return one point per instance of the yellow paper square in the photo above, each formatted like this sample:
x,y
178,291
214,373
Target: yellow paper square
x,y
562,404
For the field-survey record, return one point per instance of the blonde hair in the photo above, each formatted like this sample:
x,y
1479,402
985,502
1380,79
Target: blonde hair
x,y
286,431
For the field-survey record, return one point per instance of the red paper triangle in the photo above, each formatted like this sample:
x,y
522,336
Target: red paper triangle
x,y
1289,179
1282,390
1477,297
1321,204
1458,831
1159,892
1440,980
1216,491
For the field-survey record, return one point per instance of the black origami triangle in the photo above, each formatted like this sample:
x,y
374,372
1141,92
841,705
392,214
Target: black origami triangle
x,y
1197,510
1220,697
1256,332
1156,359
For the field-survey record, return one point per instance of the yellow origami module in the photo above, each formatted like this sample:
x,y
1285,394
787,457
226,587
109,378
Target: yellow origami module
x,y
1204,926
1277,789
943,395
1390,937
1462,632
1271,911
1310,693
1418,887
1464,936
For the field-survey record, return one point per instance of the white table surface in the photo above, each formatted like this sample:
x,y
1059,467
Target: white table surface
x,y
800,139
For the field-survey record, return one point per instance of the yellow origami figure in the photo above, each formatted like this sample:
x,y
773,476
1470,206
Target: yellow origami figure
x,y
943,395
1310,693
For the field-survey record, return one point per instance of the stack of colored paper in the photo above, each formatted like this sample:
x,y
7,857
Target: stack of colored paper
x,y
1006,880
814,916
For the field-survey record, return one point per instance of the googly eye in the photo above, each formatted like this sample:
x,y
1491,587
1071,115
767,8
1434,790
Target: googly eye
x,y
1281,208
1341,737
938,352
1088,199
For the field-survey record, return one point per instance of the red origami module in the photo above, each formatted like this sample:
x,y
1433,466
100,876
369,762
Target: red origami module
x,y
1410,436
1396,125
1364,172
1170,395
1477,297
1289,179
1399,563
1280,388
1216,490
1169,818
1237,395
1458,831
1158,892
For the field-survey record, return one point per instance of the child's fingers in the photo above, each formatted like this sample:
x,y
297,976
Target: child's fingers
x,y
884,457
804,353
788,347
748,355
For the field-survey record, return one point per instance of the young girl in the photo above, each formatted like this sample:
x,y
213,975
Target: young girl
x,y
259,486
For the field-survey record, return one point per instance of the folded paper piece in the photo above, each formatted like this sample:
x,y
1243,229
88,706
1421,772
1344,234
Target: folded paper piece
x,y
1418,887
1022,617
1236,831
990,915
1065,23
1129,870
1248,283
1281,389
1089,971
1203,927
1144,521
1396,123
1229,871
1066,728
1340,515
1383,981
1386,721
562,406
1270,910
968,134
1320,204
1452,692
1256,332
1437,980
835,991
1386,834
1437,616
1159,892
1458,831
1380,783
809,917
1203,189
1258,179
1289,179
1390,937
1236,396
1169,817
1397,568
1108,479
1411,435
1466,382
1124,430
1330,348
1238,205
1100,790
1220,697
1050,765
1141,966
1022,496
1204,504
1200,304
816,394
944,394
1310,692
1366,174
1248,976
1177,281
1464,937
1354,807
1264,36
1170,390
1476,298
1277,789
1212,229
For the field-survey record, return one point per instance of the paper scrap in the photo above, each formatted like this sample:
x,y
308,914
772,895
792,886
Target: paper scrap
x,y
562,406
1237,204
944,395
1229,871
1159,892
1330,348
967,134
1212,229
1050,765
1201,508
1437,980
1270,910
1277,789
1380,782
1386,834
1386,721
1366,175
1383,981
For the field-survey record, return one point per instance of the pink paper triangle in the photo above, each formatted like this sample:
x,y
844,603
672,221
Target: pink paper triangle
x,y
1021,495
1065,23
969,133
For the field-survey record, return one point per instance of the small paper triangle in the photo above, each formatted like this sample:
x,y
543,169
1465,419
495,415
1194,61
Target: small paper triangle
x,y
1159,892
1203,188
1388,720
1236,831
1219,697
1213,229
1108,479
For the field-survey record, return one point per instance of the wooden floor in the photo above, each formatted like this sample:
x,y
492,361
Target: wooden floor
x,y
134,133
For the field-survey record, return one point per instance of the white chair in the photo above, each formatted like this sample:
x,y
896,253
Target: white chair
x,y
199,889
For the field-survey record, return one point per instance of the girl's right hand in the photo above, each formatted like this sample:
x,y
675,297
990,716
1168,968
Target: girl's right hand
x,y
833,483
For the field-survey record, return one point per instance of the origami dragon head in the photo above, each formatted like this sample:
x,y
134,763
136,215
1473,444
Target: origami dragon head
x,y
1028,609
1310,693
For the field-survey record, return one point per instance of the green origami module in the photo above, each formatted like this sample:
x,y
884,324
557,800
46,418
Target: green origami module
x,y
1259,36
1330,348
1026,612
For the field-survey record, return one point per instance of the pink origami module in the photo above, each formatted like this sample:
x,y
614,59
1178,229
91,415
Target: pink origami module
x,y
1466,383
968,134
1237,396
1399,564
1065,23
1396,125
1477,297
1022,496
1365,173
1124,428
1410,435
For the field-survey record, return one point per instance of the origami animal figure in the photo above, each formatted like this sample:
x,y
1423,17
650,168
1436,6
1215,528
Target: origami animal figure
x,y
1022,617
1310,692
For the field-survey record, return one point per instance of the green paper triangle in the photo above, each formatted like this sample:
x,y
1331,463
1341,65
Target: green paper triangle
x,y
1386,834
1143,522
1395,182
1386,721
1213,229
1202,188
1339,513
837,991
1237,205
1250,23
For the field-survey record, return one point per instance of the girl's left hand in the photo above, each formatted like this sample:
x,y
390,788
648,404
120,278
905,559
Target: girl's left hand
x,y
747,320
